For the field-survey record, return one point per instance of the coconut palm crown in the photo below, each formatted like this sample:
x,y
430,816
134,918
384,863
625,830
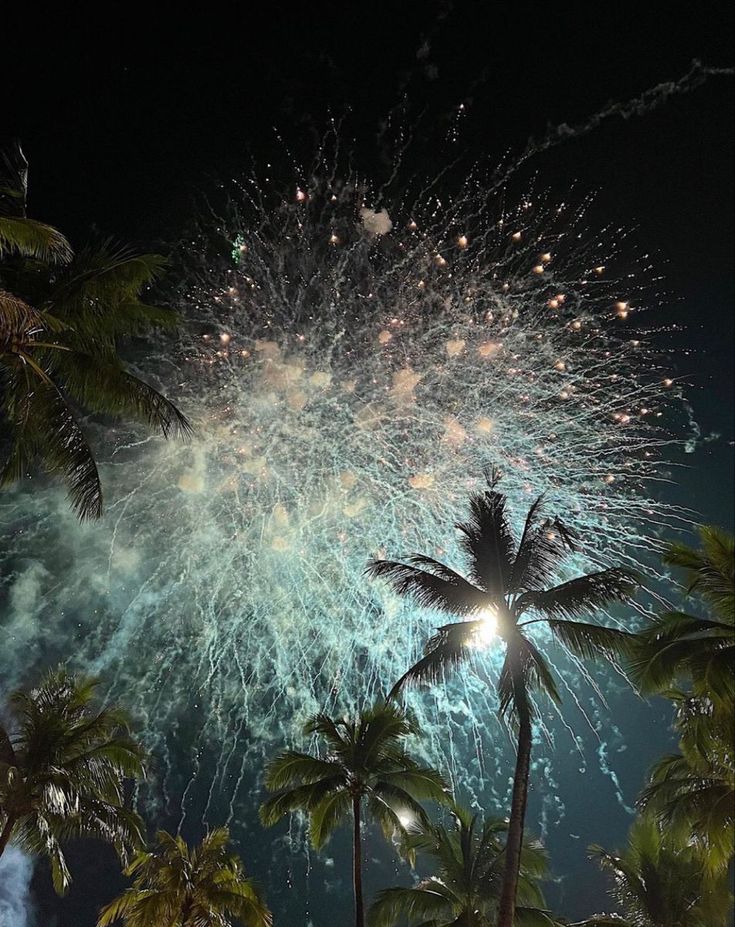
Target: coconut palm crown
x,y
62,772
175,885
467,880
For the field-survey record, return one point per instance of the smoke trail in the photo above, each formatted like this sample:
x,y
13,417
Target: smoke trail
x,y
16,870
648,101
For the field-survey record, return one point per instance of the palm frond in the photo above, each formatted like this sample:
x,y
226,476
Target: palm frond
x,y
291,767
298,798
543,546
33,239
102,279
450,646
537,673
327,815
422,783
590,641
20,322
444,590
44,425
105,386
428,904
710,570
488,541
533,917
580,595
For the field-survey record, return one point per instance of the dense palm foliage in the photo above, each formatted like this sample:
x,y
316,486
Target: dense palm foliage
x,y
177,886
701,650
61,319
509,581
693,792
62,772
660,883
466,884
363,767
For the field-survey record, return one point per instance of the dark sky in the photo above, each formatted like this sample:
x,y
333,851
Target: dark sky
x,y
126,112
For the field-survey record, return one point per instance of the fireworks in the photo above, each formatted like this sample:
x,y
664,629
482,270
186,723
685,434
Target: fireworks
x,y
353,361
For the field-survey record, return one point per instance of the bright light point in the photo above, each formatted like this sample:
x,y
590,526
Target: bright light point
x,y
538,269
516,236
486,632
406,819
462,241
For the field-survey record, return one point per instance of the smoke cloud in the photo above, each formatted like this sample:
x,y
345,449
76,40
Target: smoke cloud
x,y
16,907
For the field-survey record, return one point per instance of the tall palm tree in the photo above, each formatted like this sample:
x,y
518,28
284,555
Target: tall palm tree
x,y
693,792
507,581
63,770
661,884
61,318
466,886
363,767
177,886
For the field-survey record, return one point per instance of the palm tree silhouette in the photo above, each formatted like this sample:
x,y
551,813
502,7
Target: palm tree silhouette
x,y
505,582
364,767
177,886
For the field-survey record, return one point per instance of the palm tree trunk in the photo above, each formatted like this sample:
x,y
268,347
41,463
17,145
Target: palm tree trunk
x,y
5,835
357,864
514,843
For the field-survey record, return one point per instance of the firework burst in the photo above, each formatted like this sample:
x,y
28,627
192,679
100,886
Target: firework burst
x,y
354,360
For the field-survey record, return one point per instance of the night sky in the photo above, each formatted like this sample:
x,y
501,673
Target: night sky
x,y
128,114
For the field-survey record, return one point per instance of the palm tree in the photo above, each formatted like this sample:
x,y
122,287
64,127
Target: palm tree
x,y
506,582
466,886
176,886
63,770
61,318
693,792
661,884
680,645
364,767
